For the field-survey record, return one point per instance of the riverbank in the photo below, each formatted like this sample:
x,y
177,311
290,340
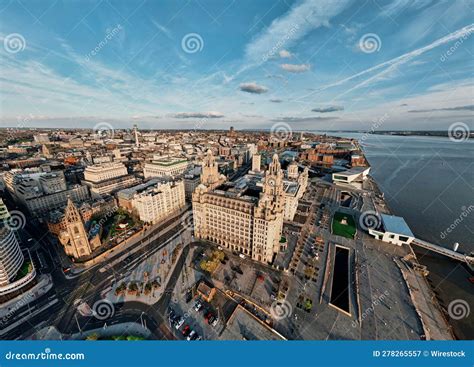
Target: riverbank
x,y
448,279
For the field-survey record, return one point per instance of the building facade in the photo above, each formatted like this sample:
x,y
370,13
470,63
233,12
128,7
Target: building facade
x,y
158,201
235,217
165,166
107,178
12,260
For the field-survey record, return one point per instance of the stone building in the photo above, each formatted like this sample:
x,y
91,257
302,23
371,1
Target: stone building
x,y
237,216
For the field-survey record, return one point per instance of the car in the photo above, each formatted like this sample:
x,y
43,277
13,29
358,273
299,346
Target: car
x,y
179,323
196,336
215,321
242,256
211,319
191,335
197,305
186,330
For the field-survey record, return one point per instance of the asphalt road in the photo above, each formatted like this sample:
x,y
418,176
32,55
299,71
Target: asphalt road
x,y
88,286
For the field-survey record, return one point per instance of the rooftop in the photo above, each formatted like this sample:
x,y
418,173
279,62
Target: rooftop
x,y
396,224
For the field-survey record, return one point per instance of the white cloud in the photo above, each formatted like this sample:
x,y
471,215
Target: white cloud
x,y
292,26
295,68
284,54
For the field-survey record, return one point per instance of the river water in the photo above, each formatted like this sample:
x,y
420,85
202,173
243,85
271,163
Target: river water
x,y
430,182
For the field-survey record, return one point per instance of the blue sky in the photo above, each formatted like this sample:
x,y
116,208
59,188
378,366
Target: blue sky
x,y
325,64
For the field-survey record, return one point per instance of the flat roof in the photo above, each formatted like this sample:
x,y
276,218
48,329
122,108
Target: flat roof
x,y
353,171
395,224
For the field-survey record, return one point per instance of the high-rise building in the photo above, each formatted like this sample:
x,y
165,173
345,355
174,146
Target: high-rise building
x,y
237,217
11,260
135,130
256,163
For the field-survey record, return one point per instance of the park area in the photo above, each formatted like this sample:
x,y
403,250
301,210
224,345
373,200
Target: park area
x,y
343,225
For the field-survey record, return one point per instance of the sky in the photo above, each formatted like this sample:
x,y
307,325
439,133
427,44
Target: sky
x,y
305,64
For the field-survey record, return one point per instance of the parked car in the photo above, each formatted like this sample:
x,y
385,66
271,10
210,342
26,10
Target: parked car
x,y
211,319
215,321
186,330
191,335
197,305
179,323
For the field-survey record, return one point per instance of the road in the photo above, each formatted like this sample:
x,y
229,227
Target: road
x,y
87,286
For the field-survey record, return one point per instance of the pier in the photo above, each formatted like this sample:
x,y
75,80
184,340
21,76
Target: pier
x,y
444,251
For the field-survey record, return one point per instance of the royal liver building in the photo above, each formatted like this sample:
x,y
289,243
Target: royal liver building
x,y
237,216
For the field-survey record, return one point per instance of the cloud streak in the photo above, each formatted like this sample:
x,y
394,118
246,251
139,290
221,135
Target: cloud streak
x,y
392,64
328,109
197,115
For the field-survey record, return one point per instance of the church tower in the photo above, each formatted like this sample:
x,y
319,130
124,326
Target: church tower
x,y
78,243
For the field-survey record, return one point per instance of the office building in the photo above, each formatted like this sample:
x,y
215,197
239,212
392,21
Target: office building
x,y
162,166
239,217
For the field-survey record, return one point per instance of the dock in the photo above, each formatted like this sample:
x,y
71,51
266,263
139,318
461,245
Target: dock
x,y
444,251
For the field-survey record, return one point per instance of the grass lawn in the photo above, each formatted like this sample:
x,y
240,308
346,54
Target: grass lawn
x,y
346,230
25,268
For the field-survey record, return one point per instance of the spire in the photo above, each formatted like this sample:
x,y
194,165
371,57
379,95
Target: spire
x,y
72,214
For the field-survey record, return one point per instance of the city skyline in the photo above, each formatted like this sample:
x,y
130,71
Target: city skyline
x,y
326,65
